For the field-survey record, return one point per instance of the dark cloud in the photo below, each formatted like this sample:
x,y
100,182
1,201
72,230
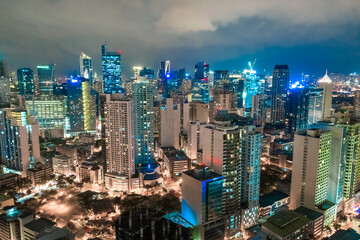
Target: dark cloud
x,y
224,33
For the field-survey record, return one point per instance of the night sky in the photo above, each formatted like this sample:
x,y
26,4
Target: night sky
x,y
309,35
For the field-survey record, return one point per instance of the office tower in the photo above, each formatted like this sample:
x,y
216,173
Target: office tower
x,y
86,70
170,125
19,142
81,107
201,202
49,111
25,81
119,137
296,109
143,100
181,77
220,76
357,104
280,83
221,144
136,71
315,108
251,88
258,110
237,82
224,98
146,72
196,111
311,172
111,69
4,69
5,89
326,84
200,84
164,70
46,76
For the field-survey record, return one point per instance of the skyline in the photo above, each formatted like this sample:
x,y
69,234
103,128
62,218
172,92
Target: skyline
x,y
324,36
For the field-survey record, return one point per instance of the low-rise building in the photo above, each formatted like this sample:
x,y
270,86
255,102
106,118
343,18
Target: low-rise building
x,y
40,173
12,222
175,161
8,180
349,234
62,164
44,229
90,171
273,202
291,225
6,201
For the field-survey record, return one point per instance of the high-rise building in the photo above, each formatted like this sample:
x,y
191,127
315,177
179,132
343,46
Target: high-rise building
x,y
119,128
46,76
81,107
311,172
220,76
315,108
250,176
25,81
326,84
296,109
280,83
19,142
143,100
200,84
86,70
164,70
111,69
201,202
221,144
258,109
49,111
357,104
4,69
170,125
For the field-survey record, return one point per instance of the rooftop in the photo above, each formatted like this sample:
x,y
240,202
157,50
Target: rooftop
x,y
306,212
175,155
4,198
202,173
349,234
285,223
271,198
39,225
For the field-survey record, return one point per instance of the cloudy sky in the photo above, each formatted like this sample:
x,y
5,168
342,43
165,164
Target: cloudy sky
x,y
309,35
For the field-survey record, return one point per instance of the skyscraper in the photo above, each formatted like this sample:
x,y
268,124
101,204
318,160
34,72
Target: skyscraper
x,y
46,75
280,83
170,124
221,143
143,100
25,81
119,137
81,107
357,104
86,70
326,84
296,109
111,69
311,172
19,142
315,108
200,84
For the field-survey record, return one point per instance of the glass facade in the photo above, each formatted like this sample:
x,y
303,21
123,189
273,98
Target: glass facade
x,y
111,69
25,81
46,75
